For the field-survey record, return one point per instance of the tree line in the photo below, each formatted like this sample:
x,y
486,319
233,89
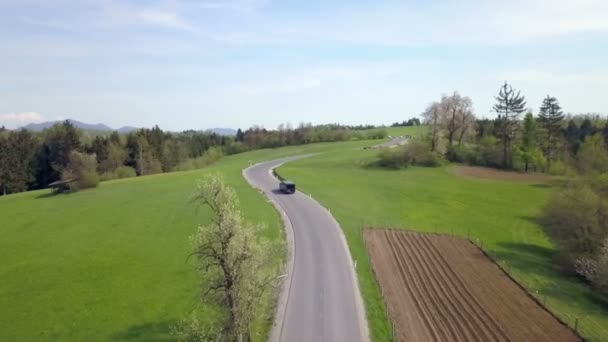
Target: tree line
x,y
550,141
33,160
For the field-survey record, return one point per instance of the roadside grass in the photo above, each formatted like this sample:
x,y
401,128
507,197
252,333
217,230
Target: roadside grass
x,y
500,215
111,263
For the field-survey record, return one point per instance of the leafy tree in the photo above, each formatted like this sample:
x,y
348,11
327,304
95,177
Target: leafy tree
x,y
528,151
550,118
82,170
605,133
4,162
509,105
572,135
115,158
587,129
60,140
235,263
592,156
18,159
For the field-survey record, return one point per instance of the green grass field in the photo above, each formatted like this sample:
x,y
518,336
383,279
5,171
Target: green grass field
x,y
501,214
110,263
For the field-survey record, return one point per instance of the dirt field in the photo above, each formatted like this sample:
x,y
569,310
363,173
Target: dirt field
x,y
442,288
489,173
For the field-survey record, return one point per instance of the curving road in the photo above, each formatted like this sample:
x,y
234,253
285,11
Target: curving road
x,y
320,300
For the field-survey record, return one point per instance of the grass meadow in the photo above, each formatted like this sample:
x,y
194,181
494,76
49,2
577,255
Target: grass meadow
x,y
111,263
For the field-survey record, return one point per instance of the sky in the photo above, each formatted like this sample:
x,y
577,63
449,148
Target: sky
x,y
236,63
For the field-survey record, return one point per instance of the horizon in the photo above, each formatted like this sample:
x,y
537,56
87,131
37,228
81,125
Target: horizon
x,y
234,64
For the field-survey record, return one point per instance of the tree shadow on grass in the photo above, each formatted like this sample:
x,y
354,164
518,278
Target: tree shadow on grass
x,y
527,258
154,331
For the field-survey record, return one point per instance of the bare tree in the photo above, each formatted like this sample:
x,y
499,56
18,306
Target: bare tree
x,y
455,112
467,120
432,117
235,264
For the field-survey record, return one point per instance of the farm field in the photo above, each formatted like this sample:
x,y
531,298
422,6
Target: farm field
x,y
111,263
443,288
499,212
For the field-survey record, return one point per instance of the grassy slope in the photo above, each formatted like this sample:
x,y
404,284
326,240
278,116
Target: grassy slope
x,y
501,214
110,263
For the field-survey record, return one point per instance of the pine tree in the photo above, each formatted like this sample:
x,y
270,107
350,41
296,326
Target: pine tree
x,y
528,151
509,106
550,118
18,157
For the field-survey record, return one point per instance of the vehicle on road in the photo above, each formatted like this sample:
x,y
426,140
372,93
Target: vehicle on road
x,y
287,187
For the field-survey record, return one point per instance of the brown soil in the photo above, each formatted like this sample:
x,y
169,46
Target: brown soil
x,y
489,173
442,288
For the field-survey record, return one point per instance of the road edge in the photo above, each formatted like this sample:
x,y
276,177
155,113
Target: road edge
x,y
279,317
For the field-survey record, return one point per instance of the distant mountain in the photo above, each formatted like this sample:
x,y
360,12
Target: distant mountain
x,y
224,131
127,129
39,127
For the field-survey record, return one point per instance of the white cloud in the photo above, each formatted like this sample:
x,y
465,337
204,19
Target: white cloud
x,y
13,120
164,18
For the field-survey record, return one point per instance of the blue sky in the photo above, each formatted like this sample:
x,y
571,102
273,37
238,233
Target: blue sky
x,y
235,63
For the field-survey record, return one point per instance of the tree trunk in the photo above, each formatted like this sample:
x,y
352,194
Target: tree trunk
x,y
504,151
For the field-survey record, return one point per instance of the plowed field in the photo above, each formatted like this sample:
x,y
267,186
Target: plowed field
x,y
442,288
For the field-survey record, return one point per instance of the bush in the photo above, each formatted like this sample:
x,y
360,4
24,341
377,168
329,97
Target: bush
x,y
415,152
488,153
460,154
577,221
392,158
418,152
120,172
209,157
125,172
592,158
595,269
559,168
82,168
235,147
375,134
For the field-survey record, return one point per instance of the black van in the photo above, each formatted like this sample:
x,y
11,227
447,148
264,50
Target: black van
x,y
287,187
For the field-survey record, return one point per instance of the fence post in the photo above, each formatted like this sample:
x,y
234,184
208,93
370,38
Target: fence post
x,y
576,324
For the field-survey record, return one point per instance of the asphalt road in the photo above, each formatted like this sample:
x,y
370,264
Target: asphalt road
x,y
321,300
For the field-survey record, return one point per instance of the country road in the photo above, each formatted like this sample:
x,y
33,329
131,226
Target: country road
x,y
320,300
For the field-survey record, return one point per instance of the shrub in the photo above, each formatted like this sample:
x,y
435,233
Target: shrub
x,y
209,157
577,221
595,269
236,147
559,168
488,153
460,154
375,134
393,158
418,152
125,172
83,169
592,157
120,172
415,152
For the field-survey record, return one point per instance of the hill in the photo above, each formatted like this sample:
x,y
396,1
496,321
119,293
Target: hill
x,y
39,127
100,127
